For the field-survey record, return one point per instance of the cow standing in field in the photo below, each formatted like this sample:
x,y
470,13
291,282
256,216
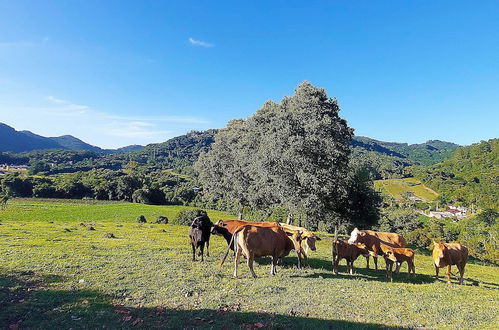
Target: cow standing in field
x,y
348,251
253,241
398,256
373,239
447,254
308,239
199,234
226,228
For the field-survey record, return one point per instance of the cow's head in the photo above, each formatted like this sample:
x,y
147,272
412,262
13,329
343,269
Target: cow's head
x,y
438,253
389,254
310,241
219,228
355,236
363,249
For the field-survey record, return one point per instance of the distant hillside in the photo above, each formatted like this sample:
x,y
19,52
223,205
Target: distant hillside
x,y
406,189
72,143
14,141
26,141
471,176
389,159
177,152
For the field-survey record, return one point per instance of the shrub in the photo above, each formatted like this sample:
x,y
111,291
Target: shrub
x,y
141,219
185,217
161,219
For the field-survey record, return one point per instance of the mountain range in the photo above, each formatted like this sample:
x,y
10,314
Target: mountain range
x,y
184,149
25,141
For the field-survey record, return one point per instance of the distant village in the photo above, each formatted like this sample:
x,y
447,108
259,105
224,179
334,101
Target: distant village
x,y
4,168
458,212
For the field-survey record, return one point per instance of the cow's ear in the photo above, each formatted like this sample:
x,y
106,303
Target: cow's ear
x,y
317,238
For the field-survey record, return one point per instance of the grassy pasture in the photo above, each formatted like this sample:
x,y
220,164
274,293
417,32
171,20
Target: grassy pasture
x,y
396,188
55,273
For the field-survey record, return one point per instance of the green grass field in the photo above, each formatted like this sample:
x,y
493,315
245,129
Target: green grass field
x,y
54,273
397,187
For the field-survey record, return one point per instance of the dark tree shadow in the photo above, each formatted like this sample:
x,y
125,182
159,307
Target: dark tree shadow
x,y
28,304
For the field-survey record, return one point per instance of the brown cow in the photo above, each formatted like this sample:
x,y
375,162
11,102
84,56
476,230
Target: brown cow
x,y
397,256
349,252
372,240
447,254
308,239
252,241
226,228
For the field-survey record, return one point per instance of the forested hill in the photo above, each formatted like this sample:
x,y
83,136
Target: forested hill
x,y
177,152
470,176
389,159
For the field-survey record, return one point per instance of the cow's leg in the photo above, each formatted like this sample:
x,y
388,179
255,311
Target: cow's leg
x,y
461,273
367,262
335,265
201,251
193,252
236,261
350,267
299,254
208,248
397,267
375,262
436,273
273,270
448,274
251,258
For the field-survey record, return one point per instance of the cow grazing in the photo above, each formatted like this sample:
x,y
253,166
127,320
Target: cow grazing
x,y
373,239
398,256
253,241
199,234
448,254
348,251
308,239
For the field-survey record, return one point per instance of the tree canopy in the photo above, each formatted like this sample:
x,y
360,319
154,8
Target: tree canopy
x,y
293,153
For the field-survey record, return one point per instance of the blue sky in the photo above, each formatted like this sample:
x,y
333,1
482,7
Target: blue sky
x,y
115,73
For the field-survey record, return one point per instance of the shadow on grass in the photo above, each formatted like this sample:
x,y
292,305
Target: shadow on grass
x,y
27,304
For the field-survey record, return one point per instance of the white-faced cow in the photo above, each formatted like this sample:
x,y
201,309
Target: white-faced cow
x,y
372,240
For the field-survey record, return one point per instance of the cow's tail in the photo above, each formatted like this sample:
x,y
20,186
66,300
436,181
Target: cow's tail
x,y
234,240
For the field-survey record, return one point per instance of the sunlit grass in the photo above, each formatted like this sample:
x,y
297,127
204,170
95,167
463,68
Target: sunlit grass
x,y
78,278
397,187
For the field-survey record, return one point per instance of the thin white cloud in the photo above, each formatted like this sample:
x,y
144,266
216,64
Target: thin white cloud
x,y
67,104
24,43
200,43
58,116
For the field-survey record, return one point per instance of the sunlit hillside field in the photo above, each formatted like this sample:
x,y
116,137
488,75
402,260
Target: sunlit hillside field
x,y
398,187
55,273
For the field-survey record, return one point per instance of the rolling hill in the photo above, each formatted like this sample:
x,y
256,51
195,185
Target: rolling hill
x,y
26,141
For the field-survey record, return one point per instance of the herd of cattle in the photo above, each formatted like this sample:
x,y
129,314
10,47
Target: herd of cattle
x,y
258,239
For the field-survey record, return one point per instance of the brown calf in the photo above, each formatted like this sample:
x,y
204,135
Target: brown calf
x,y
398,256
348,251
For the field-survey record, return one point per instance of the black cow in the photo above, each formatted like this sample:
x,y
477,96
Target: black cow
x,y
199,233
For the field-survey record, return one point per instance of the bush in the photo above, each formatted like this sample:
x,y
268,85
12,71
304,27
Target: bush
x,y
161,219
141,219
185,217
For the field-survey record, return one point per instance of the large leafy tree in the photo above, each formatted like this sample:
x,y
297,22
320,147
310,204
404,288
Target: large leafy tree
x,y
294,153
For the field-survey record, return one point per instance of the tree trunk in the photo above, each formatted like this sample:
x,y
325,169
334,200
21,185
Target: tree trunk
x,y
289,220
241,212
